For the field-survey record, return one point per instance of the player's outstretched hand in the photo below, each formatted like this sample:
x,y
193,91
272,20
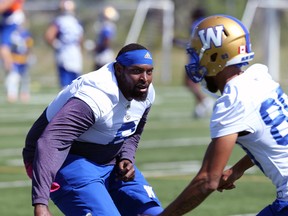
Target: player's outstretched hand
x,y
41,210
228,178
125,171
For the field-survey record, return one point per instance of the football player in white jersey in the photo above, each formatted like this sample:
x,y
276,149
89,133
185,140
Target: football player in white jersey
x,y
252,111
81,150
65,36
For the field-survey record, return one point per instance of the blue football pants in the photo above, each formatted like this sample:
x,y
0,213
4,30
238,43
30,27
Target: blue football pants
x,y
90,189
277,208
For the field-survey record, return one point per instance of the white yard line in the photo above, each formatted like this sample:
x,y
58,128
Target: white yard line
x,y
143,144
174,142
15,184
10,152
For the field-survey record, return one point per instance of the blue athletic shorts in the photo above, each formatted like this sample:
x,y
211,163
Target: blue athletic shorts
x,y
87,188
20,68
277,208
65,76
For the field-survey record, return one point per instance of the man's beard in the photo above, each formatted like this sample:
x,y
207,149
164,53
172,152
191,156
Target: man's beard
x,y
139,96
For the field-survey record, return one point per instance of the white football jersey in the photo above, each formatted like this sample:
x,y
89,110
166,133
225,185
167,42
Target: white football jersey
x,y
254,102
70,32
116,118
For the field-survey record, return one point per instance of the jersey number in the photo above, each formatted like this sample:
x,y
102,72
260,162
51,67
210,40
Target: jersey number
x,y
125,130
274,113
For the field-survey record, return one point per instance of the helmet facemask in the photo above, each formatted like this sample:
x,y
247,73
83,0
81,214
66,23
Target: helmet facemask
x,y
194,70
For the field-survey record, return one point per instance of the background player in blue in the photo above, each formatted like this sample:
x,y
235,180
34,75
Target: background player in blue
x,y
12,16
18,78
105,35
81,150
203,103
252,111
65,36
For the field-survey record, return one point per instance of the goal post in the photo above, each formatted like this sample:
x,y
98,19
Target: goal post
x,y
167,6
272,29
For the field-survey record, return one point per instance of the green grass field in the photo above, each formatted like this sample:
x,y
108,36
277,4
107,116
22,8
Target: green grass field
x,y
170,153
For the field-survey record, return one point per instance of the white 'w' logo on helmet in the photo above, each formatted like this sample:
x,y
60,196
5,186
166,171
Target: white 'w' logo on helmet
x,y
211,35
